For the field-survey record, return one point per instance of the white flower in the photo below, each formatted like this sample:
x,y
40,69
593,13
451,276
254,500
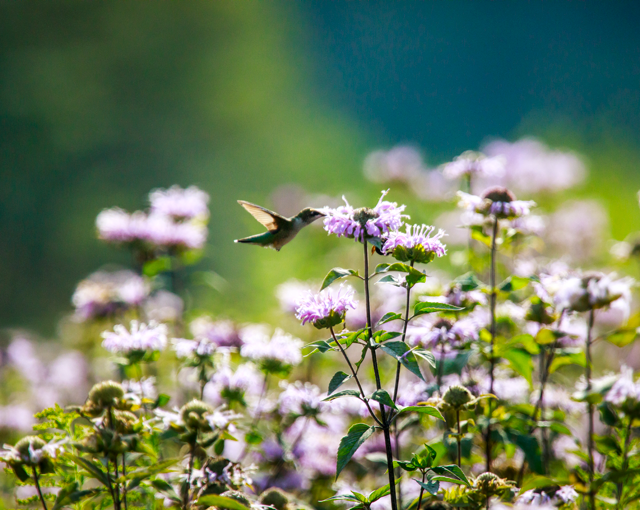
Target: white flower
x,y
140,337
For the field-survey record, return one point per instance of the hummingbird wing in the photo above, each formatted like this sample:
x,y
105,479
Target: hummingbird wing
x,y
271,220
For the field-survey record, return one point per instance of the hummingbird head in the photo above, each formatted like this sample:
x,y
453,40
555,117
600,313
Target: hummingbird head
x,y
309,215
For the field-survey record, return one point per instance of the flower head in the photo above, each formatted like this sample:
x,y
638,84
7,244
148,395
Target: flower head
x,y
360,223
327,308
498,202
180,203
277,353
140,337
474,163
300,398
592,291
416,244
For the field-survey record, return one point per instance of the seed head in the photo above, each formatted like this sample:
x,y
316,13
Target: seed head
x,y
193,413
106,394
457,396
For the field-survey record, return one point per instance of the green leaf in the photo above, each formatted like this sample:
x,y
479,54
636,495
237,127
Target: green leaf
x,y
338,379
384,398
429,307
431,486
521,362
350,443
413,275
220,502
335,274
343,393
392,279
478,234
576,358
536,482
69,495
167,489
379,493
381,336
622,337
425,355
91,467
428,410
319,345
363,355
388,317
20,472
403,354
513,283
468,281
452,468
162,400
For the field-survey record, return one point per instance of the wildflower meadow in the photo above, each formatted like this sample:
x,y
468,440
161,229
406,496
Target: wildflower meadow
x,y
482,362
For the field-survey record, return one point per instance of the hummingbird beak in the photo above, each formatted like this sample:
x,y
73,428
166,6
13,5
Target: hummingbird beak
x,y
318,211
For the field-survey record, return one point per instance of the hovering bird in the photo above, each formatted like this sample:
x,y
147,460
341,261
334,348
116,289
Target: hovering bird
x,y
280,230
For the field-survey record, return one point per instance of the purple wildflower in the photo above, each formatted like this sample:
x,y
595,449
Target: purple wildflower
x,y
180,203
360,223
221,333
115,225
327,308
497,202
472,163
301,399
164,306
415,244
397,164
278,352
140,337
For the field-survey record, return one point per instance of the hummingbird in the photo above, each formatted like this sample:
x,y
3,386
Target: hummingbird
x,y
280,230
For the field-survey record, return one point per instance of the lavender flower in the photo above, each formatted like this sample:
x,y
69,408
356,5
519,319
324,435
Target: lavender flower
x,y
221,333
625,392
443,333
139,338
180,203
227,384
398,164
326,309
360,223
115,225
289,294
163,231
415,244
497,202
592,291
300,399
164,306
104,292
277,353
185,348
471,163
532,167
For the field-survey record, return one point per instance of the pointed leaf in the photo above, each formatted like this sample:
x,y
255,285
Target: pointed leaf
x,y
452,468
335,274
221,502
388,317
350,443
402,352
428,410
379,493
430,307
384,398
431,485
92,468
343,393
338,379
521,362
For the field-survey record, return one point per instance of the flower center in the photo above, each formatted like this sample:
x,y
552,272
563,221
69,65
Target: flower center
x,y
363,215
499,194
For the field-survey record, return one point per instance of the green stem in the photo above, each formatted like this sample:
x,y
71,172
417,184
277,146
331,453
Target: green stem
x,y
404,338
36,479
592,500
459,438
185,496
424,475
625,462
124,486
355,376
374,359
492,360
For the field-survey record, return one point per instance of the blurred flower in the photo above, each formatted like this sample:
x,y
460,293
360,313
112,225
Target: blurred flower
x,y
201,346
625,392
300,398
164,306
531,167
412,392
592,291
276,352
556,397
180,203
290,292
415,244
221,333
104,292
400,163
116,225
136,391
227,384
358,223
577,229
565,448
326,308
533,498
442,333
21,355
165,232
140,337
16,417
498,202
530,225
471,163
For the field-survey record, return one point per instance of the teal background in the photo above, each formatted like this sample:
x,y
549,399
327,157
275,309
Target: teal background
x,y
102,101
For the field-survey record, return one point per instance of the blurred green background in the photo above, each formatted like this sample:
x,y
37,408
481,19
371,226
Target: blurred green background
x,y
102,101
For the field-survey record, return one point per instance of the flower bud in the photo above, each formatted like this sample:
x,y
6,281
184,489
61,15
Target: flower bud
x,y
457,396
106,394
193,415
